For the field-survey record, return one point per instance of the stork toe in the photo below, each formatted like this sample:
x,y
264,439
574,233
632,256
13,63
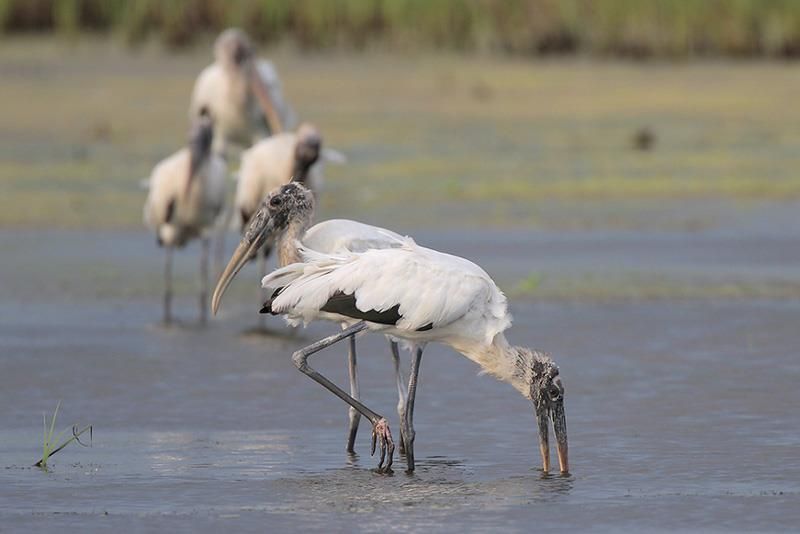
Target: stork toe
x,y
382,435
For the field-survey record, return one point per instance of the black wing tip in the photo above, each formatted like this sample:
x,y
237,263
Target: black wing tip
x,y
345,304
267,306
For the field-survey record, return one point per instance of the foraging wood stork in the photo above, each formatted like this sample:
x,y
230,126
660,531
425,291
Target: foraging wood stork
x,y
411,293
242,93
333,236
186,195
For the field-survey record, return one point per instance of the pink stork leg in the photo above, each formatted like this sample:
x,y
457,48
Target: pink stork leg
x,y
401,393
380,427
353,414
408,423
205,245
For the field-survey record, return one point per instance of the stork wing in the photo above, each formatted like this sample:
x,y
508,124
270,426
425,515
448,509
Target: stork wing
x,y
343,235
429,289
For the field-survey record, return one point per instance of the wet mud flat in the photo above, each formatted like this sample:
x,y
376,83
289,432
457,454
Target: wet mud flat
x,y
682,413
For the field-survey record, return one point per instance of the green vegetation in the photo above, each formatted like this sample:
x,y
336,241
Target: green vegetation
x,y
464,142
528,285
632,28
608,286
50,444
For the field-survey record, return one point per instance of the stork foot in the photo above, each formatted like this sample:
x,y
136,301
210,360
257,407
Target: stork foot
x,y
383,436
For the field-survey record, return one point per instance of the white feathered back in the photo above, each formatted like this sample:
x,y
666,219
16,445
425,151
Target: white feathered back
x,y
431,288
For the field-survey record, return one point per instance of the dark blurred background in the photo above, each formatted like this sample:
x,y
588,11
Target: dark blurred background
x,y
628,28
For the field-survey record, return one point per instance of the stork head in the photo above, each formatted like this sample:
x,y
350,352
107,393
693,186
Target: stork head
x,y
201,135
233,48
201,132
306,150
547,394
287,204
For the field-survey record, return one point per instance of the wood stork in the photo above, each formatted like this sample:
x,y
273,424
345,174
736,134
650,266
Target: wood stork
x,y
242,93
337,235
186,195
411,293
276,161
269,164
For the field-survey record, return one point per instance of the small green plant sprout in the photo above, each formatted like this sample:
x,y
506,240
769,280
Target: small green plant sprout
x,y
528,285
49,444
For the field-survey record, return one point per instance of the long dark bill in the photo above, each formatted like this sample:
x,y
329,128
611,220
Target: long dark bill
x,y
260,229
560,430
201,137
554,412
543,423
265,103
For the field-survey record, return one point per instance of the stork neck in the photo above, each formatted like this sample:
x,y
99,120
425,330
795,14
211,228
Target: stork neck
x,y
286,242
300,171
238,83
502,361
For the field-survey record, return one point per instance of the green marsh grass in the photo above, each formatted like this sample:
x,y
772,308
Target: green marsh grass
x,y
621,286
52,444
543,144
630,28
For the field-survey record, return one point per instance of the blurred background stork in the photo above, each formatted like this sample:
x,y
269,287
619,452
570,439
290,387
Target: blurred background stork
x,y
242,92
186,195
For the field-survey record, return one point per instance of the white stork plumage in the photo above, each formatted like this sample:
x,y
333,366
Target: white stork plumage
x,y
186,195
332,236
242,93
276,161
416,294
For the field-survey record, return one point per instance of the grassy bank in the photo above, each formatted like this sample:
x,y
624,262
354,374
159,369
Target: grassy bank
x,y
664,28
431,140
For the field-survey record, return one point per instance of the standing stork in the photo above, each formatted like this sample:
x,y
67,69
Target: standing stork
x,y
243,93
415,294
186,195
269,164
292,208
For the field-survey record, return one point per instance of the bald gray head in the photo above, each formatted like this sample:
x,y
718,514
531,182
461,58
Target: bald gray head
x,y
201,134
283,215
288,204
546,391
234,49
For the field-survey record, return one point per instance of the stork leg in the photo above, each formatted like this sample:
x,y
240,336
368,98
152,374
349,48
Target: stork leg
x,y
409,433
355,417
262,294
380,427
204,253
401,393
168,285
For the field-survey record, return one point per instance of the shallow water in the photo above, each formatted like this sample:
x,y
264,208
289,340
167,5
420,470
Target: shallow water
x,y
681,414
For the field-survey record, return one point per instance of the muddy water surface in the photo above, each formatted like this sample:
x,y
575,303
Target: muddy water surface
x,y
682,413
